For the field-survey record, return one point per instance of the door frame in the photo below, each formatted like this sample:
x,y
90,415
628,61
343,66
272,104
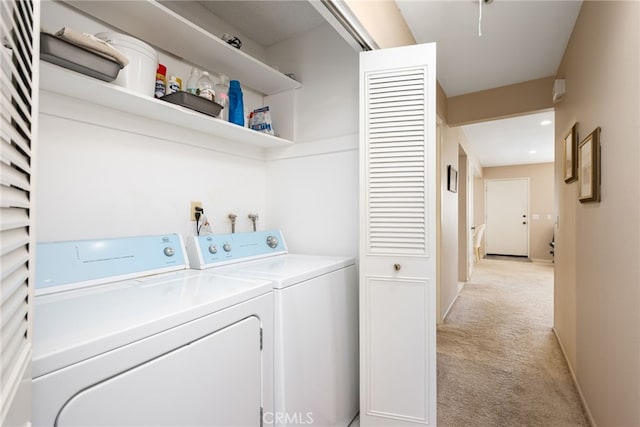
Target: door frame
x,y
465,216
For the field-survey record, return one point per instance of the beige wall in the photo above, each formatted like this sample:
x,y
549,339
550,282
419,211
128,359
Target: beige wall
x,y
448,220
383,22
463,231
501,102
393,32
597,284
441,103
541,202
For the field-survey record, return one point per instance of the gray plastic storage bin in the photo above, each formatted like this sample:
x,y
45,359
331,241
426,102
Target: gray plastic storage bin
x,y
76,58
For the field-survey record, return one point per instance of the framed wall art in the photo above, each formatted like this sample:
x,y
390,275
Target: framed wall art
x,y
589,167
452,179
570,145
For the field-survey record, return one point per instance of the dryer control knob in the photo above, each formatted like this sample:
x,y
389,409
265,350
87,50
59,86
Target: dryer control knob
x,y
272,241
168,251
213,249
226,247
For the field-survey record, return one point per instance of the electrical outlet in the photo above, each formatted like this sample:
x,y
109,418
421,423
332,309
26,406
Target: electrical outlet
x,y
194,205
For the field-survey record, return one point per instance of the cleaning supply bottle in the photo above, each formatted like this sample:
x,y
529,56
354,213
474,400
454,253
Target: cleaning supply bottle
x,y
205,86
222,96
161,81
174,84
192,83
236,103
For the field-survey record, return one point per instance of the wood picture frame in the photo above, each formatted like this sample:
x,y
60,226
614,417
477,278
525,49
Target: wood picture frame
x,y
570,145
589,167
452,179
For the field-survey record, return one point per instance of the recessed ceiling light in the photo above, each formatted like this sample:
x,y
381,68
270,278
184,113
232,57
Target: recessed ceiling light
x,y
532,151
545,122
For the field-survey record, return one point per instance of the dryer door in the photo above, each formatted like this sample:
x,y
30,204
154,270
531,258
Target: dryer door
x,y
215,380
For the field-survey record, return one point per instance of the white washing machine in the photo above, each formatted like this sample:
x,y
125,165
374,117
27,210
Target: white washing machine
x,y
125,335
316,322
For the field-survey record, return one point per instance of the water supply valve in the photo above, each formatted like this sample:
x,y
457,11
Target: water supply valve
x,y
254,219
233,217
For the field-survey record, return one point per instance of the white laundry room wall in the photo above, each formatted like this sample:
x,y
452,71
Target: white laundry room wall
x,y
103,182
100,176
313,186
103,173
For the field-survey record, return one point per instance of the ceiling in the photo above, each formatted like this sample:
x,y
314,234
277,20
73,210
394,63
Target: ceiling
x,y
521,40
513,141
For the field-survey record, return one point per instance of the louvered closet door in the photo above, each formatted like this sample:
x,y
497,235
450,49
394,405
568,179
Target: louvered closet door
x,y
18,84
397,237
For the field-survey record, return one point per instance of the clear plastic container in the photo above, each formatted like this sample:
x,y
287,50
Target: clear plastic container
x,y
205,86
192,83
222,96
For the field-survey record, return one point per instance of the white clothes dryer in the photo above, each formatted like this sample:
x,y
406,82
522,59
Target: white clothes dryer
x,y
316,322
125,335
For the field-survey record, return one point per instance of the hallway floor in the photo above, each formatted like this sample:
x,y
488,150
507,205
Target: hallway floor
x,y
499,363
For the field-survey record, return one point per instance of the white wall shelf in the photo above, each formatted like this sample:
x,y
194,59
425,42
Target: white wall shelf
x,y
58,80
176,35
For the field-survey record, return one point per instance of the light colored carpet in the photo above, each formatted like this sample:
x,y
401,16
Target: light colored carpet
x,y
499,363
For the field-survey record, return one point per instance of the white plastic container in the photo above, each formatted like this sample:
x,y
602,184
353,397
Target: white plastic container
x,y
140,75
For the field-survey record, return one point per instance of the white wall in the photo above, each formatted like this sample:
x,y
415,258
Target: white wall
x,y
101,182
327,103
313,186
314,199
105,174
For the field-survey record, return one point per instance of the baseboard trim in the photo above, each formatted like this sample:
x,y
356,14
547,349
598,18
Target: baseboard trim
x,y
446,313
542,261
575,379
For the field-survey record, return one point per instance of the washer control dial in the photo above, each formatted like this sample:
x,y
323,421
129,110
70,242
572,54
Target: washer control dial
x,y
213,249
168,251
272,242
226,247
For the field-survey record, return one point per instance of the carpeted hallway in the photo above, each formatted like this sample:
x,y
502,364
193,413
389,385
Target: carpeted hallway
x,y
499,363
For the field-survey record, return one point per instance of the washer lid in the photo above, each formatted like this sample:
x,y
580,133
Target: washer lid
x,y
76,325
287,270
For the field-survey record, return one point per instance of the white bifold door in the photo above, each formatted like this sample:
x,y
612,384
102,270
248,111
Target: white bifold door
x,y
398,236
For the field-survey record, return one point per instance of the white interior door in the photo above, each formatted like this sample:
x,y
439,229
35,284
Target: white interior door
x,y
507,217
398,236
19,74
